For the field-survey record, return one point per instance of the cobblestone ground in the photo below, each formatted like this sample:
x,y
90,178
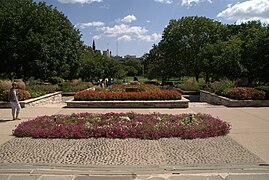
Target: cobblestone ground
x,y
101,151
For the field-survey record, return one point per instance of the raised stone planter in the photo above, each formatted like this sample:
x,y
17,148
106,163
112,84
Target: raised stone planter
x,y
183,103
212,98
193,96
52,98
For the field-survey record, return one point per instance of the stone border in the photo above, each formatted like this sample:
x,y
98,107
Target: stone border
x,y
52,98
212,98
183,103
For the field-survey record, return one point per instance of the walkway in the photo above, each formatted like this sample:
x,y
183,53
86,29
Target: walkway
x,y
242,154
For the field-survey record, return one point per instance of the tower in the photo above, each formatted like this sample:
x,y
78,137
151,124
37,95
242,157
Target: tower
x,y
93,45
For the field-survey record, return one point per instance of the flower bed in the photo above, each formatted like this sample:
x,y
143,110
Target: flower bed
x,y
144,95
123,125
212,98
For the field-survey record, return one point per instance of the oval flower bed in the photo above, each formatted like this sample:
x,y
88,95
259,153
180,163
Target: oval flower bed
x,y
144,95
123,125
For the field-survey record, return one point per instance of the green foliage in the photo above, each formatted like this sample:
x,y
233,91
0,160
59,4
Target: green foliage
x,y
37,41
133,67
37,90
221,87
74,87
189,86
94,66
195,46
55,80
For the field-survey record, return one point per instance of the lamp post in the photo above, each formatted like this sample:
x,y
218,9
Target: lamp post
x,y
191,118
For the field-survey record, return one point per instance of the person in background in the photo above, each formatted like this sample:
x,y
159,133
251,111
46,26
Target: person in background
x,y
109,82
14,101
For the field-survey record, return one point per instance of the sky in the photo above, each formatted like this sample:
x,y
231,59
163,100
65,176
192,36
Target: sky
x,y
131,27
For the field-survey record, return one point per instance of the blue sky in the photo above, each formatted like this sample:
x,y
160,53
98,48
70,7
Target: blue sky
x,y
135,25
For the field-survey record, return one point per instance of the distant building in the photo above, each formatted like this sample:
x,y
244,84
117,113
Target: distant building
x,y
107,53
129,56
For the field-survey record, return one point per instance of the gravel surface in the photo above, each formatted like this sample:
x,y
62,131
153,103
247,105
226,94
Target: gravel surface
x,y
101,151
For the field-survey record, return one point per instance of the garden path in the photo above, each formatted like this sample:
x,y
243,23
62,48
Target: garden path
x,y
250,132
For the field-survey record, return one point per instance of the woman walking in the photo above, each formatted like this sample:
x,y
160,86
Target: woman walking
x,y
14,101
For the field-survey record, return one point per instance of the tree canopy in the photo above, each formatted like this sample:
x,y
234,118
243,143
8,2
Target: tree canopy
x,y
199,46
37,41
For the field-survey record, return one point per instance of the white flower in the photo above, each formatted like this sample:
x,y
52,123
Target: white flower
x,y
125,118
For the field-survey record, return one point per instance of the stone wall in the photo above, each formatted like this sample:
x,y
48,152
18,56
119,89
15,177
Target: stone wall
x,y
52,98
212,98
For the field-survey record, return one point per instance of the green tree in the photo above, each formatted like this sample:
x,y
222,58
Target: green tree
x,y
94,66
254,59
133,67
37,40
183,40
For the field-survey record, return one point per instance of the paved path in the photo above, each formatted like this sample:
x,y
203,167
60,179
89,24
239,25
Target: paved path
x,y
250,132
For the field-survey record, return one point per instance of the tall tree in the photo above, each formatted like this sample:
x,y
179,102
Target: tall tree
x,y
183,39
37,40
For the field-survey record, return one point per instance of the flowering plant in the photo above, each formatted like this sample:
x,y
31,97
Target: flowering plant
x,y
144,95
123,125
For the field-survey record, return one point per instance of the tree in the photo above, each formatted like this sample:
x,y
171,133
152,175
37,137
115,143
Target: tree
x,y
94,66
183,40
254,59
133,67
37,40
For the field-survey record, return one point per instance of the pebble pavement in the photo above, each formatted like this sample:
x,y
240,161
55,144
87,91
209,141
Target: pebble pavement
x,y
102,151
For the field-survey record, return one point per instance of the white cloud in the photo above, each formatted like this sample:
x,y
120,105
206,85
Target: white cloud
x,y
247,11
193,2
123,29
148,21
125,32
125,38
79,1
165,1
97,37
90,24
128,19
149,38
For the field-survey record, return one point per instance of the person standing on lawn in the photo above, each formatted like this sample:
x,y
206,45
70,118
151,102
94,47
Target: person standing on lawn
x,y
14,101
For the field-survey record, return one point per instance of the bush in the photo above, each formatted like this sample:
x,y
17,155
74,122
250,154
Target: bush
x,y
55,80
246,93
189,86
23,95
221,87
265,89
21,84
39,90
74,86
123,125
4,85
125,87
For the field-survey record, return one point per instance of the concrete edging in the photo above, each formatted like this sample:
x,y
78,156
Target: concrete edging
x,y
45,99
183,103
212,98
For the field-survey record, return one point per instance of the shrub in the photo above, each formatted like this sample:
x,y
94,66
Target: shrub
x,y
123,125
246,93
55,80
189,86
265,89
144,95
23,95
21,84
74,86
221,87
140,87
39,90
